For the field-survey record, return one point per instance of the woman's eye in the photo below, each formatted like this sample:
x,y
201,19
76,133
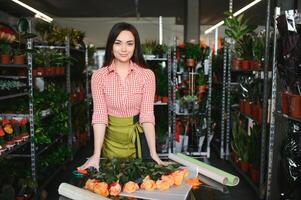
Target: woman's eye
x,y
130,44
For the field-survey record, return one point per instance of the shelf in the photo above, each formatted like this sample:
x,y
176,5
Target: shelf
x,y
14,148
278,113
49,47
160,104
243,174
193,73
15,115
13,95
13,77
50,76
247,71
153,58
80,50
13,66
188,114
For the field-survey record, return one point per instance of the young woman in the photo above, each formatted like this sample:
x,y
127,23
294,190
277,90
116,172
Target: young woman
x,y
123,95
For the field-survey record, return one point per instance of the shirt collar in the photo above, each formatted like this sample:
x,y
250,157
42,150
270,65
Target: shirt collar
x,y
112,67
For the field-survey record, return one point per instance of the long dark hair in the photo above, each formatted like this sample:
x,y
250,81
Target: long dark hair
x,y
115,31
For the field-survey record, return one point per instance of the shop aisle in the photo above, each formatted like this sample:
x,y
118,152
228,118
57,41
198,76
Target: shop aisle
x,y
242,191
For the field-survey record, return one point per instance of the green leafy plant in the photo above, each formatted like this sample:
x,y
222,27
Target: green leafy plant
x,y
192,51
5,49
254,147
236,28
258,46
124,170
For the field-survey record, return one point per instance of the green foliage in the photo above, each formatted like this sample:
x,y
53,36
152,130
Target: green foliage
x,y
236,28
50,57
5,49
254,147
126,170
201,78
192,51
240,143
259,46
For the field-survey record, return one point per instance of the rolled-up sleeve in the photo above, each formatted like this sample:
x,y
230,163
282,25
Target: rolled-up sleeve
x,y
100,112
147,105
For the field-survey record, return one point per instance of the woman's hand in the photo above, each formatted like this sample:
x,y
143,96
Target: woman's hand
x,y
93,161
156,158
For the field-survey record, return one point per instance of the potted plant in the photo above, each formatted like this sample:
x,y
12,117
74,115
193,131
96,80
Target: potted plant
x,y
5,50
258,50
160,50
201,82
236,28
254,152
192,54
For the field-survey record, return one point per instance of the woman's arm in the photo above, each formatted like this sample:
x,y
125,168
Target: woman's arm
x,y
99,133
149,131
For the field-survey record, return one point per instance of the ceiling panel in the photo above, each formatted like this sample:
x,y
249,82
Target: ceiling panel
x,y
211,11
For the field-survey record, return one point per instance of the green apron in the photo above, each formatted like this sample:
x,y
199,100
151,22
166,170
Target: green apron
x,y
122,138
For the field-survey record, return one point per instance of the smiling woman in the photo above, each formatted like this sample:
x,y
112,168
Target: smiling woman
x,y
123,93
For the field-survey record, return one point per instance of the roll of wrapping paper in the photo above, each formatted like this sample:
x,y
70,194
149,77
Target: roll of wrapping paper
x,y
206,172
76,193
230,180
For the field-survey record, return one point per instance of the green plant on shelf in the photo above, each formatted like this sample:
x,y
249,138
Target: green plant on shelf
x,y
259,45
192,51
5,49
236,28
148,47
240,138
255,143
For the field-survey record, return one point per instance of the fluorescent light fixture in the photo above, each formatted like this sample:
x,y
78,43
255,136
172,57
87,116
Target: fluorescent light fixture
x,y
235,14
38,13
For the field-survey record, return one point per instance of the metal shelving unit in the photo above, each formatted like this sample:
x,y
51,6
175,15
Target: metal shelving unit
x,y
172,114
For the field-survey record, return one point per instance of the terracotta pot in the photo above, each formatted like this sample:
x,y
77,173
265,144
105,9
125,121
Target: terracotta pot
x,y
62,70
19,60
244,166
40,71
254,111
259,114
202,88
164,99
242,103
248,108
254,174
190,62
245,65
255,64
295,106
236,64
57,71
34,72
284,102
5,59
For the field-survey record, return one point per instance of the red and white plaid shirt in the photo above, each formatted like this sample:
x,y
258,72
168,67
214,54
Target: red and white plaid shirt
x,y
123,98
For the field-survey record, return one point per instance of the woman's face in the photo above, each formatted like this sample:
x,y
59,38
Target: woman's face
x,y
124,46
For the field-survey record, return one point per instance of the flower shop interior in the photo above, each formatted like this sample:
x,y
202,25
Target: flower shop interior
x,y
227,104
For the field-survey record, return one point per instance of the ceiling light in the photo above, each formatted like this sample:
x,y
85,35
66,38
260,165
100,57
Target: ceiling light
x,y
38,13
235,14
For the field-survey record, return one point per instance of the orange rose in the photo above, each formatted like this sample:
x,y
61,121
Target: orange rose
x,y
115,189
102,189
169,179
90,184
8,129
194,182
184,171
162,185
178,177
148,184
130,187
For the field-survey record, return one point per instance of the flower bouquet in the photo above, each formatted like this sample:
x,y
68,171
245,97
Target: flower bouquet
x,y
118,176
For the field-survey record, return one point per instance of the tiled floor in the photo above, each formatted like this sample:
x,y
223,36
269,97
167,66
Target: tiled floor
x,y
242,191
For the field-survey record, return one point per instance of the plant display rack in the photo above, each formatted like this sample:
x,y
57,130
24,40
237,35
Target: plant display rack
x,y
226,110
172,114
279,126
